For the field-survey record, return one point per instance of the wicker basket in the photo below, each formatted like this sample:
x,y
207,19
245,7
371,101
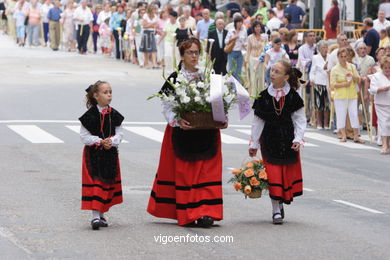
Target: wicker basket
x,y
255,194
202,120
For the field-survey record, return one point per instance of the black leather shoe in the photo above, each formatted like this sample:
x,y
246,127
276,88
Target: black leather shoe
x,y
277,219
205,221
95,223
192,224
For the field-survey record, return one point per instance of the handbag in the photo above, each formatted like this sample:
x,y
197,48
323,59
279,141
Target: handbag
x,y
229,47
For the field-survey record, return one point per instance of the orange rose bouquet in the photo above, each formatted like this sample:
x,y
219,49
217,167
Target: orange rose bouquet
x,y
250,179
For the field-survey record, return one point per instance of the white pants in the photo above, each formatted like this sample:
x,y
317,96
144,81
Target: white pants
x,y
170,56
140,55
342,106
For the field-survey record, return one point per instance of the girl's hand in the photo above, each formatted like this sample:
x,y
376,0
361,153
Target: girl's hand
x,y
252,152
107,143
296,146
185,125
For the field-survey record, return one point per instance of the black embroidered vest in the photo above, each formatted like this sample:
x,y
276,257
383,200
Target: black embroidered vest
x,y
102,164
278,133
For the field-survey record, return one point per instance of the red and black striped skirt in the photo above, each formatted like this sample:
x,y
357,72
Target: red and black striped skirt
x,y
285,181
185,190
97,195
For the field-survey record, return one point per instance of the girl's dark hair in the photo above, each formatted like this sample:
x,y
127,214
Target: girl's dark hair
x,y
292,76
91,90
185,45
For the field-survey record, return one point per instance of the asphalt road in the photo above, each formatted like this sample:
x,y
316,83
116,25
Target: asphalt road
x,y
343,214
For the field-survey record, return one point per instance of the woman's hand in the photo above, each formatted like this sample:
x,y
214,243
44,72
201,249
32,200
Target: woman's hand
x,y
252,152
185,125
296,146
224,126
107,143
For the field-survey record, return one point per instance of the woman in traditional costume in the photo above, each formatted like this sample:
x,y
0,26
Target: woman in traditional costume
x,y
188,184
277,130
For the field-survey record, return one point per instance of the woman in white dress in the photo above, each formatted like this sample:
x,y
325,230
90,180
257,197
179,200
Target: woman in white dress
x,y
380,88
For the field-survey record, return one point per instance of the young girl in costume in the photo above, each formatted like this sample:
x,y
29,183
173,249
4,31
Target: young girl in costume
x,y
277,129
101,132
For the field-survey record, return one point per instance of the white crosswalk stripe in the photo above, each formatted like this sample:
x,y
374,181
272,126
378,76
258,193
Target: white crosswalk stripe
x,y
228,139
248,132
76,129
34,134
146,131
335,141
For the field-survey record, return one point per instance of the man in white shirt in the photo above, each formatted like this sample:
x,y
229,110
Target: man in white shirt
x,y
103,15
83,18
381,23
273,22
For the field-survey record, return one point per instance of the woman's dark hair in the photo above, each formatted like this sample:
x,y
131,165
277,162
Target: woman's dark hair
x,y
288,17
236,20
185,45
292,75
256,23
91,90
173,13
277,40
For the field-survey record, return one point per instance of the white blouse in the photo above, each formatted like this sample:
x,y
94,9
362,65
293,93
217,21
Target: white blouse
x,y
317,72
379,80
298,118
88,139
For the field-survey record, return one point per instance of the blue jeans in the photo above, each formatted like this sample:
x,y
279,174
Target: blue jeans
x,y
235,58
45,31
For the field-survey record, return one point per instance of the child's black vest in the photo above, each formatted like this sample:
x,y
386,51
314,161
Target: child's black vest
x,y
278,133
101,163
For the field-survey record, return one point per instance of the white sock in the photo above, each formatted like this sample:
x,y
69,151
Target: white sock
x,y
275,206
95,214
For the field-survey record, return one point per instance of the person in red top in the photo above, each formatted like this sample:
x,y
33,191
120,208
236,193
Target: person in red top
x,y
196,9
331,19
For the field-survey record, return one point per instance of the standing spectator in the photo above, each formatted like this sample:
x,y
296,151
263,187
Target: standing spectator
x,y
162,21
283,32
273,23
381,23
20,16
68,26
34,24
54,16
305,56
259,19
372,37
273,55
83,19
218,15
168,39
342,42
246,17
137,18
95,27
197,8
148,43
183,32
380,88
115,23
343,78
44,12
384,39
232,7
256,43
292,47
331,20
202,28
296,13
262,9
279,10
385,6
105,33
219,35
235,58
190,21
286,22
319,81
3,17
104,14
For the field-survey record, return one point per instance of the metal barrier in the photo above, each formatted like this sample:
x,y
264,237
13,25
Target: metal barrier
x,y
350,28
318,32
